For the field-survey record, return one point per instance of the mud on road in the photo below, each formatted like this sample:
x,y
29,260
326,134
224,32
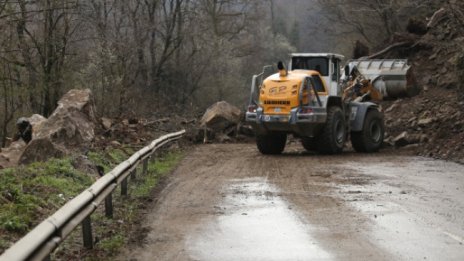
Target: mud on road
x,y
228,202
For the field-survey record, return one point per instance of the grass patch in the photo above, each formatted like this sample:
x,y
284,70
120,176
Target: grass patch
x,y
127,208
156,170
114,233
111,158
112,244
28,194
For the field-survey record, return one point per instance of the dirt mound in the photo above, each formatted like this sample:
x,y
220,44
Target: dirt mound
x,y
433,120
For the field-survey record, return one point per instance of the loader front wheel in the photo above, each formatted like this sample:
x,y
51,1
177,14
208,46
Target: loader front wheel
x,y
370,139
271,143
333,136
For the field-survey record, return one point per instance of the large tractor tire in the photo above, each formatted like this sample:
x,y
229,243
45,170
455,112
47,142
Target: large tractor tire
x,y
309,143
271,143
370,139
332,138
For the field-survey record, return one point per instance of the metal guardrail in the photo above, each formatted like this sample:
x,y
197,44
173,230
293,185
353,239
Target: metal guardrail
x,y
45,237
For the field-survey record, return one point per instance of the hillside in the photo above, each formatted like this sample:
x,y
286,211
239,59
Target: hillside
x,y
434,119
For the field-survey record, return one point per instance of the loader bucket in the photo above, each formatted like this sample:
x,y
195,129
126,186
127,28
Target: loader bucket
x,y
394,78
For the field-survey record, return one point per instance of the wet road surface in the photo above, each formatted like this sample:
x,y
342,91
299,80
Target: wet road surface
x,y
228,202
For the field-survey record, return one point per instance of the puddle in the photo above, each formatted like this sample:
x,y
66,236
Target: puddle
x,y
416,206
410,166
254,223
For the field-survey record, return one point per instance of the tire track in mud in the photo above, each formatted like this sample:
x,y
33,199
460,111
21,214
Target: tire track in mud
x,y
337,201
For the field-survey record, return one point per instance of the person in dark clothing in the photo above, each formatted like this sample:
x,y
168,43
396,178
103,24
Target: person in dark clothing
x,y
24,130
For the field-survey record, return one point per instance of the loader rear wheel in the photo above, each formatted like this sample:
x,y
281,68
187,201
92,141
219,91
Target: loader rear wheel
x,y
309,143
370,139
271,143
333,135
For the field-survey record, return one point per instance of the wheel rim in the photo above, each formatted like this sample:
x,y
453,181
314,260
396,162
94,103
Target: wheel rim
x,y
339,132
375,132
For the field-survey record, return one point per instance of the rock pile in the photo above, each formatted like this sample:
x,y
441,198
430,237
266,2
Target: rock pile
x,y
115,132
432,123
70,127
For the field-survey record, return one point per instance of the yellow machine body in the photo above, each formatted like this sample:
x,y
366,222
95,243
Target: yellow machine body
x,y
281,92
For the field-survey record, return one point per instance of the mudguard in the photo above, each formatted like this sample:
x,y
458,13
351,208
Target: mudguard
x,y
358,111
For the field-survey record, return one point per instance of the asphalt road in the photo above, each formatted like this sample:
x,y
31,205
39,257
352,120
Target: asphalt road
x,y
228,202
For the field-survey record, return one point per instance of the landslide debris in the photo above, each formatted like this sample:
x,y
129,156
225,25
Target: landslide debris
x,y
70,127
73,128
431,123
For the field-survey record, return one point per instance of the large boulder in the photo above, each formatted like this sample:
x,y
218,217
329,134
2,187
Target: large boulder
x,y
36,121
219,122
69,128
221,116
9,156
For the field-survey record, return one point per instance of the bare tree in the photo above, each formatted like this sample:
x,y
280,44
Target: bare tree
x,y
371,20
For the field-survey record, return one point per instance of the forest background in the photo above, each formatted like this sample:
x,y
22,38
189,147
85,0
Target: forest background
x,y
141,57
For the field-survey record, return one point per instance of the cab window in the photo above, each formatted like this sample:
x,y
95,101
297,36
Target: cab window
x,y
318,83
311,63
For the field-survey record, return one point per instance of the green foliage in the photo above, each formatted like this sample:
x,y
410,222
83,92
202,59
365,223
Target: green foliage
x,y
117,155
144,185
165,164
27,194
112,243
4,244
156,170
99,160
110,159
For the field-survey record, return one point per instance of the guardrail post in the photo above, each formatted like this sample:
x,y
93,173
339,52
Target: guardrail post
x,y
145,166
87,232
134,174
124,187
109,206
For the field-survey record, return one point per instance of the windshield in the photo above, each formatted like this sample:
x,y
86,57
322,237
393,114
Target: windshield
x,y
311,63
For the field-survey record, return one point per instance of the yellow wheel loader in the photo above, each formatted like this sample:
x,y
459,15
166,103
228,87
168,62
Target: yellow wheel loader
x,y
313,101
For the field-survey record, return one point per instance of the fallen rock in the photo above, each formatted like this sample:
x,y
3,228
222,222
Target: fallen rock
x,y
9,157
220,116
41,149
115,143
391,108
83,164
425,122
223,138
220,120
246,130
106,123
436,18
36,121
401,140
70,127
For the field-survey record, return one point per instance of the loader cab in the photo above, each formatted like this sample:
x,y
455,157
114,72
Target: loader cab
x,y
327,64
